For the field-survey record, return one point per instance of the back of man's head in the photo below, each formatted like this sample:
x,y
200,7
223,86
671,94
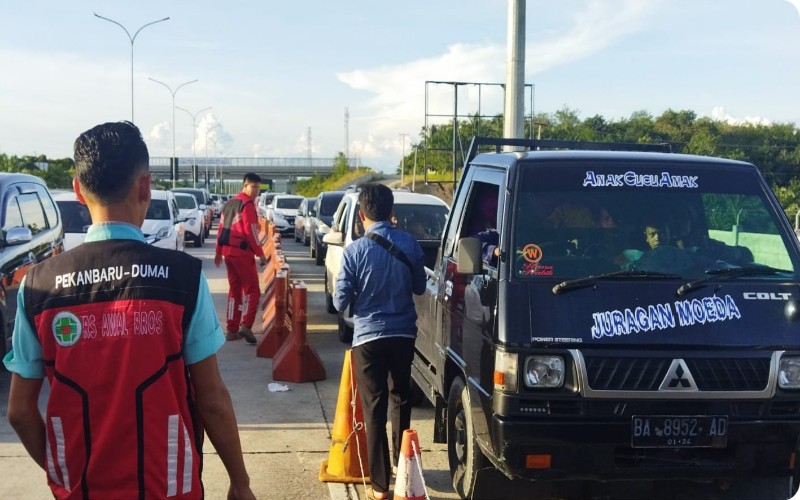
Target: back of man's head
x,y
376,201
108,158
251,177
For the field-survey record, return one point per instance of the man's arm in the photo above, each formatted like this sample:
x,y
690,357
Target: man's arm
x,y
344,284
216,411
251,229
24,415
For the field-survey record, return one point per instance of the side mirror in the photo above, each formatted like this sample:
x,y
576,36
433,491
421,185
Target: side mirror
x,y
469,256
333,238
18,236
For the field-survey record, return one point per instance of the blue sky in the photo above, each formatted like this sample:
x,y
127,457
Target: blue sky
x,y
271,70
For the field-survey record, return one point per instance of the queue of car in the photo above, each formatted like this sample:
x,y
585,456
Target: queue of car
x,y
37,222
329,223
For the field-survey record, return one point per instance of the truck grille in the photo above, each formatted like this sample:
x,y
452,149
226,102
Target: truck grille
x,y
647,374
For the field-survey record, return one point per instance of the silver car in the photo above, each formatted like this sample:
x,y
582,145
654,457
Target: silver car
x,y
303,222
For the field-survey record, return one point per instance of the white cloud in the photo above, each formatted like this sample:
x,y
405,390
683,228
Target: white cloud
x,y
719,114
397,104
212,138
160,137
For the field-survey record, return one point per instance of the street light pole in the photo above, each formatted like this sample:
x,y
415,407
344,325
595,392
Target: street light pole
x,y
174,159
132,39
194,140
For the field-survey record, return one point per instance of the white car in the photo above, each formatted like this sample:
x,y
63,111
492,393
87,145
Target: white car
x,y
282,210
422,215
163,225
193,218
75,216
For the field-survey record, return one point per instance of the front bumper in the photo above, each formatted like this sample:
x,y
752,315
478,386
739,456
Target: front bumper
x,y
596,450
283,228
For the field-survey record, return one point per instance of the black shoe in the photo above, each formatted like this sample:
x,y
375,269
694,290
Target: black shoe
x,y
247,334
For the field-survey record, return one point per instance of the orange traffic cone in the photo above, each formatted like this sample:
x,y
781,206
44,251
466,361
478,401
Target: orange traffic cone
x,y
410,485
347,459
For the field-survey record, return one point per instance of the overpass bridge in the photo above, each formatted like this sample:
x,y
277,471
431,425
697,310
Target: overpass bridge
x,y
218,171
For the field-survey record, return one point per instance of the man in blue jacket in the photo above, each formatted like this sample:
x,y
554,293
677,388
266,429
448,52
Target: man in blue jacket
x,y
379,273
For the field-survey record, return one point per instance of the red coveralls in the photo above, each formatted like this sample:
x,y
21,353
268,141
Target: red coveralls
x,y
236,241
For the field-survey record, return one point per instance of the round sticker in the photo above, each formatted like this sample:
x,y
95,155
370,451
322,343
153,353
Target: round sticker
x,y
67,329
532,253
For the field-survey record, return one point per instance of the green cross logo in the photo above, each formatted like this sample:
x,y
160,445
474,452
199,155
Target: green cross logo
x,y
67,329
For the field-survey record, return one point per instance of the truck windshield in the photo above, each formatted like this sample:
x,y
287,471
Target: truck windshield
x,y
681,219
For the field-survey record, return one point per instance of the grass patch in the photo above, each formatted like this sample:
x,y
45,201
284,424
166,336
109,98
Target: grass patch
x,y
318,183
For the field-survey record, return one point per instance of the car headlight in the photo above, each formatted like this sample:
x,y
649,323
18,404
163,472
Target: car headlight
x,y
278,218
505,371
789,372
164,232
191,222
544,372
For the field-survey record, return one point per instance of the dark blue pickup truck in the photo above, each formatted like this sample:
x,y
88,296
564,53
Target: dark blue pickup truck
x,y
638,322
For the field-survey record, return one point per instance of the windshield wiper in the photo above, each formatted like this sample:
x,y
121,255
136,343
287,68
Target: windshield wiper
x,y
728,272
590,280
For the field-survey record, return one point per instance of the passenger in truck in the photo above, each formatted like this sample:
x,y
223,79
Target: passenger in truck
x,y
484,226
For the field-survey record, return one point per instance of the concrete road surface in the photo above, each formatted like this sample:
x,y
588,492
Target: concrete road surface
x,y
285,435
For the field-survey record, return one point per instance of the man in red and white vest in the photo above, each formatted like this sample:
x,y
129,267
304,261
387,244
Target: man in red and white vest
x,y
127,336
237,244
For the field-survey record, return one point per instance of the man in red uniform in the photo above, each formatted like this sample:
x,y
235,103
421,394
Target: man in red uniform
x,y
127,336
237,243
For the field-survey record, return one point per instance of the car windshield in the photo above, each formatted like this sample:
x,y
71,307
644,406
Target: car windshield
x,y
329,203
288,203
76,217
681,219
186,202
158,210
424,222
198,196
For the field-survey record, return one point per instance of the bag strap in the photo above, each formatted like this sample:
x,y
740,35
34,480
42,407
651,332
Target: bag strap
x,y
380,240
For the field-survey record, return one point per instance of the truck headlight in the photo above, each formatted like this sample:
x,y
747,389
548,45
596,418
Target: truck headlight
x,y
789,372
505,371
544,372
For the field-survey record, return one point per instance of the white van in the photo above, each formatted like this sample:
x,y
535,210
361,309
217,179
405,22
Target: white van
x,y
163,225
193,223
282,210
75,216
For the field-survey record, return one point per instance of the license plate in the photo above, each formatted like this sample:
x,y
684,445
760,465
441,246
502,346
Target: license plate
x,y
676,431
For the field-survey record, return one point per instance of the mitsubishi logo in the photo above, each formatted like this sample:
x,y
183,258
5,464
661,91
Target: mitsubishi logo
x,y
678,378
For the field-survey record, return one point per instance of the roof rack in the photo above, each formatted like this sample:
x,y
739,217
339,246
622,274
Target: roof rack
x,y
534,144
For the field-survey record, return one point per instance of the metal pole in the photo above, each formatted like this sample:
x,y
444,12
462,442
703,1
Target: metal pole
x,y
174,158
194,140
414,172
132,39
513,123
455,130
